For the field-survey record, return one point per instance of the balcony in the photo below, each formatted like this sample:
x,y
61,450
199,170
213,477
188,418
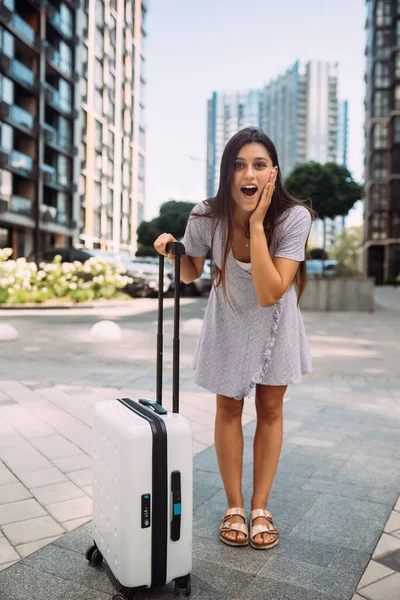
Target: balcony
x,y
56,179
18,71
51,214
55,59
17,116
54,17
12,159
55,100
20,206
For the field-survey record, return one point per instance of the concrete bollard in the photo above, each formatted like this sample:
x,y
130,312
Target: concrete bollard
x,y
8,333
106,331
192,327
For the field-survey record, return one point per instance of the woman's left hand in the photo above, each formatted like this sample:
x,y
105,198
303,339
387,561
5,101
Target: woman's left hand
x,y
263,205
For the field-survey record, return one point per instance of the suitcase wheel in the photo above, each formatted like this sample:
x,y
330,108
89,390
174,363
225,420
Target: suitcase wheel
x,y
184,582
119,597
94,556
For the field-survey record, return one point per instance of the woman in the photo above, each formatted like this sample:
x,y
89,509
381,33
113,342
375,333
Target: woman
x,y
253,334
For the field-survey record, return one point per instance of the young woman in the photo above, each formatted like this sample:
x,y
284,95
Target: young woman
x,y
253,334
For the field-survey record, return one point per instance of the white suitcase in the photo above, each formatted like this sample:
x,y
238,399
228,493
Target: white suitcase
x,y
143,483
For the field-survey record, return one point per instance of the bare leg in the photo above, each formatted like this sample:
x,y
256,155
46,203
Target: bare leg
x,y
229,448
267,448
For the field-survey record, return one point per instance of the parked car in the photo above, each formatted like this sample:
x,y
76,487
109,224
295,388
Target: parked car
x,y
139,285
327,268
150,271
200,286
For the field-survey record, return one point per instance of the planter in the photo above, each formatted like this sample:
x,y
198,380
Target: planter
x,y
352,294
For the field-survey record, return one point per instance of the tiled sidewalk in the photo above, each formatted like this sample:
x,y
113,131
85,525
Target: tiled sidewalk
x,y
337,483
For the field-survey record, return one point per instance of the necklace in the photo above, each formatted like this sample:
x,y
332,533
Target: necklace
x,y
246,232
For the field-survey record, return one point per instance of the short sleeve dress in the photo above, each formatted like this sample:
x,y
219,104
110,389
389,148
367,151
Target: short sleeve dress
x,y
241,343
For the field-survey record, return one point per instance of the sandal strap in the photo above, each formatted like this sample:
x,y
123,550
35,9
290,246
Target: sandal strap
x,y
260,512
257,529
235,512
240,527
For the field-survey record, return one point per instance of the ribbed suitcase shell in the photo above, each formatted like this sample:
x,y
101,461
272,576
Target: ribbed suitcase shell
x,y
123,472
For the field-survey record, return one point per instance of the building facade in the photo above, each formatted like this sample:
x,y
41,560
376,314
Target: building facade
x,y
113,128
299,111
39,101
381,247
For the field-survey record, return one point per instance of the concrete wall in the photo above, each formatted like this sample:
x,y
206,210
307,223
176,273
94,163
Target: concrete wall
x,y
339,294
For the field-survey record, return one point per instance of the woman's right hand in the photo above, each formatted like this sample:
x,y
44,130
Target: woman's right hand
x,y
161,243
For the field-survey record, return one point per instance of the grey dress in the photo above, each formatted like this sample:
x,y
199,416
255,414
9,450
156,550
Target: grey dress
x,y
243,344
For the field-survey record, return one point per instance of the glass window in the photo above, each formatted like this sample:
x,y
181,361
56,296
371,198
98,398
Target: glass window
x,y
126,176
379,165
99,42
62,202
110,197
100,13
83,155
98,164
66,20
382,75
381,104
396,130
82,184
378,197
97,225
383,13
142,138
397,97
65,58
378,226
128,13
7,43
397,66
380,136
126,148
98,73
98,101
383,43
5,183
97,195
6,90
63,170
84,52
98,134
65,95
84,88
141,166
6,139
109,227
127,121
398,33
110,166
111,140
64,132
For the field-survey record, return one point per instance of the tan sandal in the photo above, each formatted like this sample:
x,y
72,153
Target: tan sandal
x,y
226,526
260,529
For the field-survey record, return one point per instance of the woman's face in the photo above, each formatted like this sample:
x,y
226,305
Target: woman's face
x,y
253,167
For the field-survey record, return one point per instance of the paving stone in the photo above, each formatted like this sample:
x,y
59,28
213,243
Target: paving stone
x,y
13,493
336,488
203,492
48,494
216,552
373,572
385,589
41,477
307,551
74,463
26,549
393,523
78,540
54,446
304,460
71,509
32,530
6,477
387,543
24,583
74,523
384,495
391,560
210,578
397,507
207,461
7,552
24,458
69,565
270,589
306,575
19,511
5,566
82,477
351,561
371,471
343,522
300,440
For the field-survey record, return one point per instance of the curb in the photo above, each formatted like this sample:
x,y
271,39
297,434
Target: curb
x,y
67,305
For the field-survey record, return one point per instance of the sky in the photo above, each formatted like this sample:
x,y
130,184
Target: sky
x,y
197,47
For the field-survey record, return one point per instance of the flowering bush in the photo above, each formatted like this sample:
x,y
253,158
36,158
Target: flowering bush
x,y
22,281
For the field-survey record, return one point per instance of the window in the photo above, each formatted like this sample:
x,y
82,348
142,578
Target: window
x,y
65,58
98,164
383,43
380,136
110,197
126,176
84,123
98,134
382,75
111,140
142,138
379,165
97,225
128,13
395,195
84,52
6,137
64,132
383,13
63,170
381,104
82,220
98,101
98,73
82,185
127,121
99,42
84,88
65,95
126,148
378,226
397,65
100,13
398,33
83,156
110,166
62,203
397,97
378,197
141,166
6,90
66,20
97,195
5,184
7,43
396,130
109,228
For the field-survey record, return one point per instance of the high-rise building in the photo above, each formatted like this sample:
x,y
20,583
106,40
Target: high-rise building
x,y
381,247
227,114
299,111
39,104
113,152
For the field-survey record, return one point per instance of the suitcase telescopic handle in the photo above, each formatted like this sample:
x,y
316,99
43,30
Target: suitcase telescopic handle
x,y
178,250
160,410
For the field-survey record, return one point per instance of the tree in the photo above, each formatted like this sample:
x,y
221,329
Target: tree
x,y
317,254
345,250
331,187
172,219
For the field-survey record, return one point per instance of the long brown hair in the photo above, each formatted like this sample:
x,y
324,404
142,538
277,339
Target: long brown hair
x,y
221,208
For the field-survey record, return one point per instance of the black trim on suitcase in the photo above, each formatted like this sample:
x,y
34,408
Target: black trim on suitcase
x,y
160,491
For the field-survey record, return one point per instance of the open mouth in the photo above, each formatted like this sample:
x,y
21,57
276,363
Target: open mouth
x,y
249,190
